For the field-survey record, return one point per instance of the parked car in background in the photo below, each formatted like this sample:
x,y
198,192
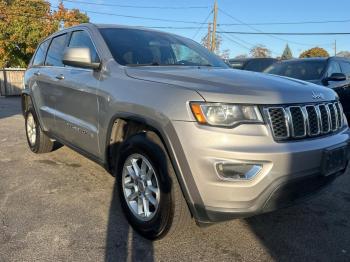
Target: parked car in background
x,y
252,64
332,72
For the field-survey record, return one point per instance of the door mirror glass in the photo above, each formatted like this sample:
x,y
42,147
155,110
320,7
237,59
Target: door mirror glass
x,y
336,77
79,57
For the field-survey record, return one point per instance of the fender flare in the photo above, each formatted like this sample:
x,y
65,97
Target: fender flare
x,y
176,154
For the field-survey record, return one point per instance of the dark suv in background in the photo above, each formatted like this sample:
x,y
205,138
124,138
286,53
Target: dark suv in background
x,y
332,72
251,64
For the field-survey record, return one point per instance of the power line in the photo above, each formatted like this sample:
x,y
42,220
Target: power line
x,y
260,31
205,21
246,42
289,23
137,6
139,17
279,33
235,42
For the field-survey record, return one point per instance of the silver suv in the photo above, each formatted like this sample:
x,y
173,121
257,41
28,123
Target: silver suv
x,y
184,135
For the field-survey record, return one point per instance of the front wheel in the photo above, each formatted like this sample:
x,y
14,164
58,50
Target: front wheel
x,y
148,188
38,141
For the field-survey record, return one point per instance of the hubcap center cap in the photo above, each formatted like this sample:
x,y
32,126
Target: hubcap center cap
x,y
141,186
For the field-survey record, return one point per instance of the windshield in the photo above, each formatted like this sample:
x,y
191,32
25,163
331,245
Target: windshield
x,y
303,70
135,47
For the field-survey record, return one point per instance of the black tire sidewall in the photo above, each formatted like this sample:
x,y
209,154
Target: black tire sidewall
x,y
34,147
157,156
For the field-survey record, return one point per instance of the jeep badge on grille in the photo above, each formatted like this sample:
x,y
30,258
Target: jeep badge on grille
x,y
316,95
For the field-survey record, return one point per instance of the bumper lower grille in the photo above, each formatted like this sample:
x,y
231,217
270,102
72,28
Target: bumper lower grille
x,y
302,121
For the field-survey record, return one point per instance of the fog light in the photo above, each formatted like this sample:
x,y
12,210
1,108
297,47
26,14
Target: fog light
x,y
238,171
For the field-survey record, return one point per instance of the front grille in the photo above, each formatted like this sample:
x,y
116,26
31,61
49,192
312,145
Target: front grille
x,y
295,122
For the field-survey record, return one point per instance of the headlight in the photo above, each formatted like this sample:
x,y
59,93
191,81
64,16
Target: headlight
x,y
226,115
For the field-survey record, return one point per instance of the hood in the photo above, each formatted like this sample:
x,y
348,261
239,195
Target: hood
x,y
235,86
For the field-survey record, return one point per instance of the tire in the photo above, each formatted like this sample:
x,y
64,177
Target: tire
x,y
171,216
38,141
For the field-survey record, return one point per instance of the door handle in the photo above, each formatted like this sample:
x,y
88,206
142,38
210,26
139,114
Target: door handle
x,y
60,77
37,73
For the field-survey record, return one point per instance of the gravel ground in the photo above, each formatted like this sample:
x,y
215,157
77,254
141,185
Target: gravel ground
x,y
61,207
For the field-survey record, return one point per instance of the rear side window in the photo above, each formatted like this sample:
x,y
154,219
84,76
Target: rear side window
x,y
258,65
39,58
55,53
82,39
345,67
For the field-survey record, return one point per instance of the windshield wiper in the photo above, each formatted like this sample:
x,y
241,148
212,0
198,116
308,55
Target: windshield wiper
x,y
149,64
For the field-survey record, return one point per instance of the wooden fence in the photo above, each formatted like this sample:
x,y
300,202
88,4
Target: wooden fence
x,y
11,81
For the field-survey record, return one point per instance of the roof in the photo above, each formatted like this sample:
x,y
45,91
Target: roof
x,y
250,58
315,59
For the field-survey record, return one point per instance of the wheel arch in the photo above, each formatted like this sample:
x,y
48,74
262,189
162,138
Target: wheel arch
x,y
26,101
140,124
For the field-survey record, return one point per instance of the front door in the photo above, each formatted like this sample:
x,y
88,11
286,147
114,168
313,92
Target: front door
x,y
76,105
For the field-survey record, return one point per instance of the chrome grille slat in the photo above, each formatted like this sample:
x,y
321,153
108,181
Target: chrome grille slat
x,y
301,121
333,117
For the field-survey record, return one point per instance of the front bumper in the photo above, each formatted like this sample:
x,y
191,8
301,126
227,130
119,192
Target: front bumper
x,y
290,170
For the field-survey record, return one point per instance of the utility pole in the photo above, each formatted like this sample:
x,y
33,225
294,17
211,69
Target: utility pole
x,y
209,37
61,22
213,36
335,47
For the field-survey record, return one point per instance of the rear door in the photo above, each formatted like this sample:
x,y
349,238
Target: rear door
x,y
37,79
50,84
77,107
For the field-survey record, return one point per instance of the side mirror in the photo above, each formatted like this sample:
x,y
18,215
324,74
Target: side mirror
x,y
79,57
335,77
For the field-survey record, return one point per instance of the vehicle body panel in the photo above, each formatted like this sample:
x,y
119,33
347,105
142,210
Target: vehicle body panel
x,y
84,105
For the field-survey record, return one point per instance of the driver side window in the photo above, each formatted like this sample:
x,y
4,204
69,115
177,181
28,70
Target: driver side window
x,y
187,56
334,67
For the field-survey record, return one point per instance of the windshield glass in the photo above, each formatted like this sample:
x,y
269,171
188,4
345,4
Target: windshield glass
x,y
135,47
303,70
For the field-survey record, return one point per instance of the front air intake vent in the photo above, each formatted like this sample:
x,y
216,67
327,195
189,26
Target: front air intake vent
x,y
302,121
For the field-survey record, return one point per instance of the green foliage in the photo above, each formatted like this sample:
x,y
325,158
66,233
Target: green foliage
x,y
287,53
23,24
314,52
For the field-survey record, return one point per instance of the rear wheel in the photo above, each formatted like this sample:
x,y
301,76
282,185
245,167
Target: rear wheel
x,y
148,188
38,141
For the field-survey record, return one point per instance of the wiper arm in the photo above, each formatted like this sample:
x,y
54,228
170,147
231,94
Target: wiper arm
x,y
149,64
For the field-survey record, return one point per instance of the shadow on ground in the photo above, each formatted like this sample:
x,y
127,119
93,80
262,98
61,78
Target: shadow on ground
x,y
317,230
10,106
122,243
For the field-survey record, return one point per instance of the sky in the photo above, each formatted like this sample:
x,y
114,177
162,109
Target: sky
x,y
236,12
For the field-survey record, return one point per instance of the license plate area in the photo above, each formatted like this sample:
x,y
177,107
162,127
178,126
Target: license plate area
x,y
334,160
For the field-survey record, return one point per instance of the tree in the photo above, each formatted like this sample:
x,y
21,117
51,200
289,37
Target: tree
x,y
314,52
224,54
69,17
287,53
23,24
344,54
260,51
